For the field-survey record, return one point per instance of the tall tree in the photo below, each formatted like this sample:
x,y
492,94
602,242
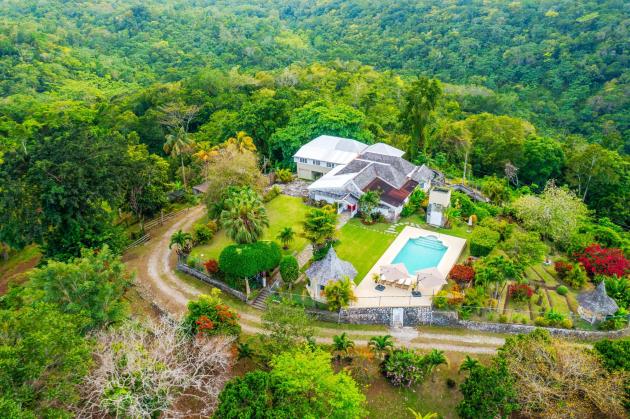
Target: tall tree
x,y
420,101
179,144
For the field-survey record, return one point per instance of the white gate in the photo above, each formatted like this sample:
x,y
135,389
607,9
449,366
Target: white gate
x,y
398,317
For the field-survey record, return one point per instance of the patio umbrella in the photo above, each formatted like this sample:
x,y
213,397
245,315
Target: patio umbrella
x,y
394,273
430,279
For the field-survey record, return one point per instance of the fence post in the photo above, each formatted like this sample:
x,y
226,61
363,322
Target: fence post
x,y
161,216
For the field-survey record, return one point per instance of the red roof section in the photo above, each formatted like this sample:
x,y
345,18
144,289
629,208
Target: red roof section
x,y
389,194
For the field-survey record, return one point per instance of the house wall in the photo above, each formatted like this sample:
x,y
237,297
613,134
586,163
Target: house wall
x,y
305,170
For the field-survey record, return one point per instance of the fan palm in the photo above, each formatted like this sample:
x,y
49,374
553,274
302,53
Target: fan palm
x,y
245,217
242,142
342,343
183,242
244,350
176,145
381,344
418,415
286,236
468,364
435,358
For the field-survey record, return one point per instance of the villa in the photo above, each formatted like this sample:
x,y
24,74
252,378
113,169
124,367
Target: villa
x,y
344,169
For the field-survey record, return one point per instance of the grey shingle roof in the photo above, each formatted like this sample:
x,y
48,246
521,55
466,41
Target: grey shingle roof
x,y
598,301
330,268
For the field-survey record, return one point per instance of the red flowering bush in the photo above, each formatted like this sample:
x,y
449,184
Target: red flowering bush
x,y
462,273
598,260
204,325
212,266
520,292
563,268
208,315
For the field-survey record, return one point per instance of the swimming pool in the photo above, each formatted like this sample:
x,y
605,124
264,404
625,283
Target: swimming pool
x,y
421,253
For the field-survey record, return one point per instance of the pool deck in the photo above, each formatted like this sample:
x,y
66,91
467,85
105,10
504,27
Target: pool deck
x,y
367,296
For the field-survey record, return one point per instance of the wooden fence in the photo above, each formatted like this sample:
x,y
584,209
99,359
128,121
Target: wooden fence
x,y
155,222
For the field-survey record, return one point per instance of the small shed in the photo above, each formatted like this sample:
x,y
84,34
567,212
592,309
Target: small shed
x,y
201,189
596,305
439,201
329,269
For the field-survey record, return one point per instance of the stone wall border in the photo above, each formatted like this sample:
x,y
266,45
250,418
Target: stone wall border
x,y
425,316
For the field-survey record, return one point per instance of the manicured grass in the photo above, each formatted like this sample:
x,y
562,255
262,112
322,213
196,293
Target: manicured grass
x,y
362,245
559,302
283,211
549,279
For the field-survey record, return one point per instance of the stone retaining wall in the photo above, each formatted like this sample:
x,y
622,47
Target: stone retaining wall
x,y
209,280
523,328
417,316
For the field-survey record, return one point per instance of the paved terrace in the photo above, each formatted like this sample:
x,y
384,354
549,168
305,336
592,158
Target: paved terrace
x,y
367,296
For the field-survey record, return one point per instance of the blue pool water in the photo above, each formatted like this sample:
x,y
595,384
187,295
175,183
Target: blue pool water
x,y
421,253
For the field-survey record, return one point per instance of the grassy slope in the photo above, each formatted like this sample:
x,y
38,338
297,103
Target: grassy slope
x,y
283,211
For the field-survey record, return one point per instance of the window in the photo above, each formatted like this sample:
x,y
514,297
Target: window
x,y
316,162
303,160
330,164
321,287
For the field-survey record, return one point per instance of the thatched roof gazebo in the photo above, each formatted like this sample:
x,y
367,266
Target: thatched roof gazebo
x,y
596,305
329,269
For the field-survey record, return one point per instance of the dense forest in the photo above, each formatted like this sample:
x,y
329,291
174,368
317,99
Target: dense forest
x,y
543,88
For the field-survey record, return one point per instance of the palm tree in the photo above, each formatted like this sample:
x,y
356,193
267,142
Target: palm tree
x,y
381,344
320,225
367,202
286,236
183,241
244,350
342,343
245,217
435,358
468,364
242,142
178,144
417,415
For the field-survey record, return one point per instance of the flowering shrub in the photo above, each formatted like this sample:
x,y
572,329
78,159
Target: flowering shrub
x,y
599,260
208,315
405,367
212,266
563,268
520,292
462,273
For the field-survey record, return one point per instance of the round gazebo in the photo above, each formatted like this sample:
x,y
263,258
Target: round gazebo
x,y
329,269
596,305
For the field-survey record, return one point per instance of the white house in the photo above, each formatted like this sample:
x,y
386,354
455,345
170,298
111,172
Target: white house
x,y
323,154
439,201
376,167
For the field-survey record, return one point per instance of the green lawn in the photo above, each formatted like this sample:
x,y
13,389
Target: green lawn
x,y
283,211
549,279
559,302
362,245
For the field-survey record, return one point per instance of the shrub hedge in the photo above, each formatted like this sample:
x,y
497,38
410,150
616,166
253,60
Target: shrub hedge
x,y
482,241
248,260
